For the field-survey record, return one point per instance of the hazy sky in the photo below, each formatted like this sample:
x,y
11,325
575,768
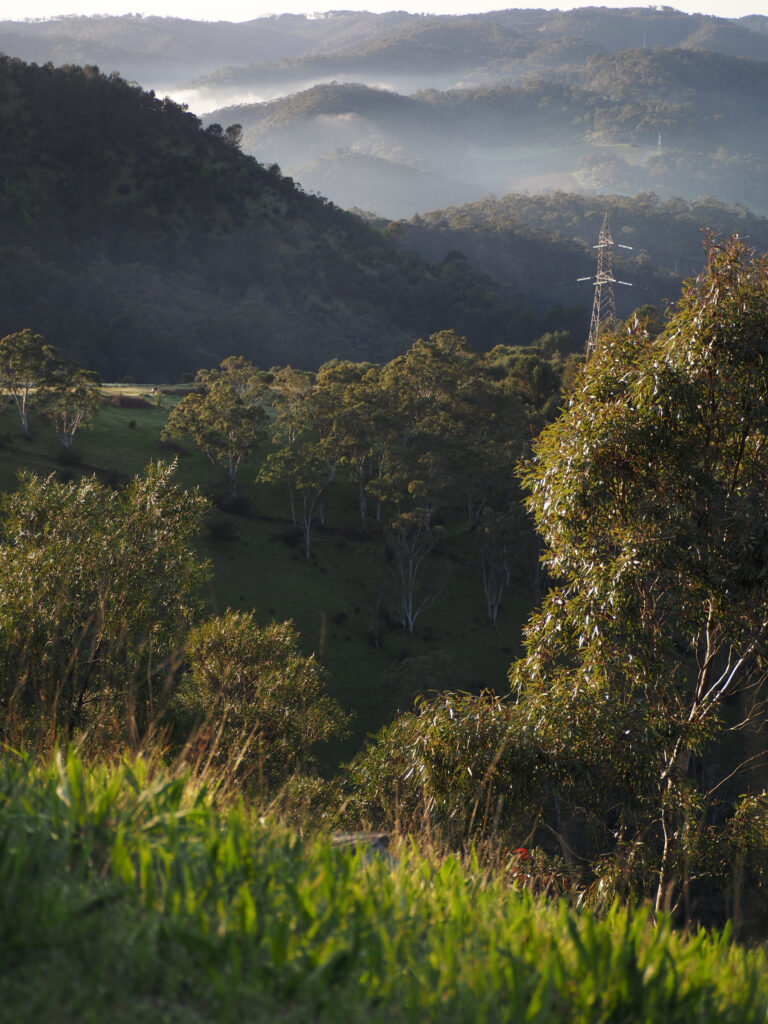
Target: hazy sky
x,y
242,10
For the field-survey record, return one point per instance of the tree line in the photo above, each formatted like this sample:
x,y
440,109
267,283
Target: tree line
x,y
429,437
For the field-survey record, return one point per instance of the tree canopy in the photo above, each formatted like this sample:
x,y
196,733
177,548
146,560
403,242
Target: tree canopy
x,y
650,494
223,416
97,590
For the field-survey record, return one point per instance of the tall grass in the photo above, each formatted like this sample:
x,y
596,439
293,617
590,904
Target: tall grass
x,y
126,893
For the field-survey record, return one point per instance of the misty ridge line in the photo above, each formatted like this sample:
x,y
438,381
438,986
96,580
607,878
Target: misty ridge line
x,y
436,113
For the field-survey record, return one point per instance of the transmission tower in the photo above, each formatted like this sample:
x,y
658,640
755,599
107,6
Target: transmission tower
x,y
603,306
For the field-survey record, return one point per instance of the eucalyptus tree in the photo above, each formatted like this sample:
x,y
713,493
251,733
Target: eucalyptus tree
x,y
489,436
425,389
426,415
411,538
254,681
344,414
224,415
497,542
359,425
307,441
650,493
304,470
247,381
289,395
97,590
26,360
72,399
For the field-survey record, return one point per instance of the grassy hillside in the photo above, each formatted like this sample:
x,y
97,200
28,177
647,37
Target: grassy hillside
x,y
258,564
136,899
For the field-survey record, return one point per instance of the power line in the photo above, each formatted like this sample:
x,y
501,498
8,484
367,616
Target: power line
x,y
603,306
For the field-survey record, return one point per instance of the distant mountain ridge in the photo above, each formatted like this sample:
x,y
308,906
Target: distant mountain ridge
x,y
165,51
467,50
678,121
397,113
286,53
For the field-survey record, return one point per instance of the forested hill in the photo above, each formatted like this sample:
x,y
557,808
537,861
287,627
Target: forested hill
x,y
544,243
165,51
676,121
138,243
499,46
399,113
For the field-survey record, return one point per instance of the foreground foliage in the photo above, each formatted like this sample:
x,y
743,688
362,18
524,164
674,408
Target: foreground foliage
x,y
637,713
102,638
650,492
135,898
97,590
255,687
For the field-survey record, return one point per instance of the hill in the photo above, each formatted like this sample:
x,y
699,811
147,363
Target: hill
x,y
139,243
222,62
162,52
459,51
541,244
679,122
399,113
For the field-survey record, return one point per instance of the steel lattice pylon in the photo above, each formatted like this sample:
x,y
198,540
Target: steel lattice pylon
x,y
603,307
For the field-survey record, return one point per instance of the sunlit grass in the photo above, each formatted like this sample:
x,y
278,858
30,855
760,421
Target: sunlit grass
x,y
127,894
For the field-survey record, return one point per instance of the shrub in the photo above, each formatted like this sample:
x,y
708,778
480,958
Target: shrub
x,y
459,767
97,589
258,690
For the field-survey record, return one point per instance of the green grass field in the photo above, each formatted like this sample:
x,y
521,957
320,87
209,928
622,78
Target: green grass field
x,y
331,598
128,896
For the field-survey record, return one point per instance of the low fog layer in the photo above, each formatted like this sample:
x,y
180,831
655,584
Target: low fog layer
x,y
675,122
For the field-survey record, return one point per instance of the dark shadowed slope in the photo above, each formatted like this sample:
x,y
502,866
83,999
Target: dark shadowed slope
x,y
139,243
543,243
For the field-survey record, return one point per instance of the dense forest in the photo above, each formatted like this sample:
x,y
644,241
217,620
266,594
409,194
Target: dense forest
x,y
145,245
542,244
